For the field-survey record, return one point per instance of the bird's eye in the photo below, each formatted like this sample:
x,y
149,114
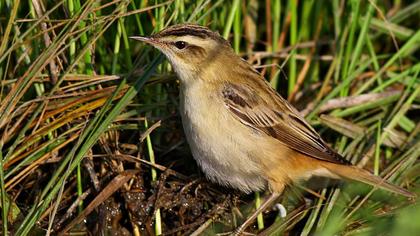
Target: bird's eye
x,y
180,44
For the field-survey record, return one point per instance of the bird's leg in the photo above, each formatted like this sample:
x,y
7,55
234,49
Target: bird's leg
x,y
254,215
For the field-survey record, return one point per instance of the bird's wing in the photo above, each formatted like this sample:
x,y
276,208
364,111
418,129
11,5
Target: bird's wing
x,y
274,116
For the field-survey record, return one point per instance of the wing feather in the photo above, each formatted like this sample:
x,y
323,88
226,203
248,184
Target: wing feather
x,y
278,119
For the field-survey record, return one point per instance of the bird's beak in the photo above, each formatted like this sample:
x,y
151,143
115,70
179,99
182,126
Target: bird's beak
x,y
148,40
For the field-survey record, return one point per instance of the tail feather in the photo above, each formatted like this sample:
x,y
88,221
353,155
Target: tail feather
x,y
355,173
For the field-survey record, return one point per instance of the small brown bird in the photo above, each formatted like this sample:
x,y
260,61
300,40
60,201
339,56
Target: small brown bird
x,y
241,132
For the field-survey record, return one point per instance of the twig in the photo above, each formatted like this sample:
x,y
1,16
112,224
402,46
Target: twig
x,y
154,165
149,130
73,207
113,186
350,101
47,40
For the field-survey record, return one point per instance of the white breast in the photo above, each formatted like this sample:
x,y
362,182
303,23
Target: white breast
x,y
224,155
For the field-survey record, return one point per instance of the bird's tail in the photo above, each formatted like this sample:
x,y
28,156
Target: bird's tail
x,y
355,173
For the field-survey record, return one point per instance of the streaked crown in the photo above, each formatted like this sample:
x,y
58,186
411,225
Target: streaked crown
x,y
191,30
189,47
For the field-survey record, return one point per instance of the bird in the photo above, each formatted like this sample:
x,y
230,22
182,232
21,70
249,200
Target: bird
x,y
242,133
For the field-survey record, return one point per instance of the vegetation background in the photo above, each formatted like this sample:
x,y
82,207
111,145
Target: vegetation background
x,y
91,142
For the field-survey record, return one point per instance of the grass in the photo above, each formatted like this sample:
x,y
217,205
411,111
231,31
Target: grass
x,y
91,140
